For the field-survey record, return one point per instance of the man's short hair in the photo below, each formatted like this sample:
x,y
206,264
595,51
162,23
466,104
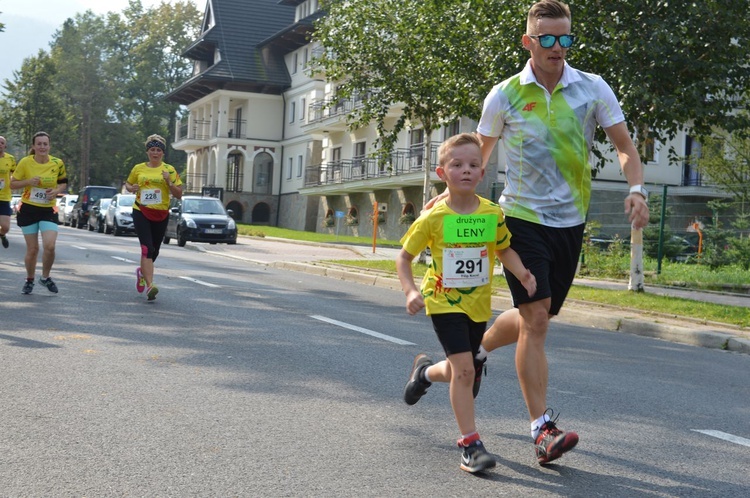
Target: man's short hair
x,y
551,9
456,141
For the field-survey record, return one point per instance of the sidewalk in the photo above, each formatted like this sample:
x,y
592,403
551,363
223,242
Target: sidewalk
x,y
310,258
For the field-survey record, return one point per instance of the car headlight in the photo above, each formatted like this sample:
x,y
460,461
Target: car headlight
x,y
190,223
231,225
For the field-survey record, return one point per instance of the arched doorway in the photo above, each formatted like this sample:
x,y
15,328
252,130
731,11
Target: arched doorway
x,y
261,213
237,210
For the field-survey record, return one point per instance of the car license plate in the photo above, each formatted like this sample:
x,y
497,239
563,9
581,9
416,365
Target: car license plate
x,y
213,230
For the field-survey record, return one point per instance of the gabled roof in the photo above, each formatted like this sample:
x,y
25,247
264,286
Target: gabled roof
x,y
295,36
239,30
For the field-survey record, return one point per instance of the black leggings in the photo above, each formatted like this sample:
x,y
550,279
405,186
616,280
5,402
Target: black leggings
x,y
150,234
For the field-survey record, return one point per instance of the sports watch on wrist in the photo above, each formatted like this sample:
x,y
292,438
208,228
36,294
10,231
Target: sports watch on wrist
x,y
639,189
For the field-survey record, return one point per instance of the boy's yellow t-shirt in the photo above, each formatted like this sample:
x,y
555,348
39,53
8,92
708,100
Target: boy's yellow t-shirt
x,y
459,279
7,167
51,173
153,191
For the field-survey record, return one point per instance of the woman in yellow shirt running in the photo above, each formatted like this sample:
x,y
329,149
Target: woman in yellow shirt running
x,y
152,182
42,177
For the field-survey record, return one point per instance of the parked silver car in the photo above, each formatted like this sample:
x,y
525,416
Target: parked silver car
x,y
65,208
119,217
96,215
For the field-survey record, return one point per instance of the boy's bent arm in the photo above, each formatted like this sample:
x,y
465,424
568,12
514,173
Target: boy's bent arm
x,y
510,260
414,299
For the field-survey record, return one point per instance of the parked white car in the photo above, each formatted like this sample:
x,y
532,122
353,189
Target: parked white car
x,y
119,217
15,202
65,207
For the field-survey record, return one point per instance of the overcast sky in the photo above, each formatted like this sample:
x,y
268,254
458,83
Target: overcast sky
x,y
30,24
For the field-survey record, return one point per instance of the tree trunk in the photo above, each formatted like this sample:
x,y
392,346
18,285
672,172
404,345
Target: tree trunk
x,y
427,174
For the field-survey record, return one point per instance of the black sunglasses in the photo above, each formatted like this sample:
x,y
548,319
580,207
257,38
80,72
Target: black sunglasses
x,y
548,41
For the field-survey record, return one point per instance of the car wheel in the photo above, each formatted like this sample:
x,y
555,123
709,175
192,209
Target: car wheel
x,y
107,228
100,227
232,242
181,239
90,227
166,239
116,229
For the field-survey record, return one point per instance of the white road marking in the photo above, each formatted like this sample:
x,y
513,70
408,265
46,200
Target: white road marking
x,y
126,260
80,247
726,437
200,282
363,331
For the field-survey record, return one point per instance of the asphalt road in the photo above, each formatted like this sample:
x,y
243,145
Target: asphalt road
x,y
247,380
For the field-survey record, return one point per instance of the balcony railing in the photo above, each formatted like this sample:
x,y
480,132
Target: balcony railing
x,y
237,129
322,109
199,131
202,130
400,162
194,182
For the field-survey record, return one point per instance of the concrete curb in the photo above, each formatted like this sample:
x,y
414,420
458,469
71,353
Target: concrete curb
x,y
671,329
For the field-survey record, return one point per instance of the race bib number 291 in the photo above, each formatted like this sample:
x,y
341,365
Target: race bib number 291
x,y
465,267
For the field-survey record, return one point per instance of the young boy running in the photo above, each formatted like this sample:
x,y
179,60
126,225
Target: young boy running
x,y
464,232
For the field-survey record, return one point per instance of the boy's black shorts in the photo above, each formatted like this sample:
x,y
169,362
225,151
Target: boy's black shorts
x,y
458,333
551,254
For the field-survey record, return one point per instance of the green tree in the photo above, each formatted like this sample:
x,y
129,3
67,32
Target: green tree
x,y
100,90
673,65
84,86
424,57
725,161
146,46
32,103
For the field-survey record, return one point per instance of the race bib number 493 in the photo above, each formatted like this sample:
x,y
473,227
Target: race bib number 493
x,y
38,194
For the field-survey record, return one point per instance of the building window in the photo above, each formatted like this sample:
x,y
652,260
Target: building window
x,y
263,169
335,165
650,151
452,129
416,149
358,160
295,61
234,172
289,168
302,107
300,162
292,111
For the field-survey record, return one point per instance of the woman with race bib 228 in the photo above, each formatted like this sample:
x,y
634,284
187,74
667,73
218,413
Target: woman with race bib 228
x,y
152,182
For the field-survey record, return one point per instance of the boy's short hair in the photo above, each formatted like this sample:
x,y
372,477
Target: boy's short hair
x,y
455,141
551,9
